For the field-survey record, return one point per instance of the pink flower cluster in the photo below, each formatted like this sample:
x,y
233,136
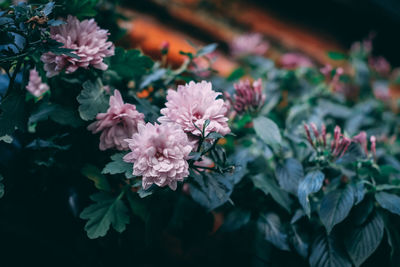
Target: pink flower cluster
x,y
35,86
192,105
159,153
118,123
88,41
339,143
248,97
249,44
295,60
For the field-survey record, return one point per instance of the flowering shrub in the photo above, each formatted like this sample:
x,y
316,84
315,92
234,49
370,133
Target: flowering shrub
x,y
289,163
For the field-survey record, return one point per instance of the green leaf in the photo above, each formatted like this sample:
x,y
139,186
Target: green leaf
x,y
7,139
92,100
57,113
326,252
269,186
312,183
211,190
236,74
298,242
268,131
12,114
235,220
1,186
94,174
130,64
137,206
118,165
107,211
335,207
388,201
289,175
362,241
206,50
336,55
270,225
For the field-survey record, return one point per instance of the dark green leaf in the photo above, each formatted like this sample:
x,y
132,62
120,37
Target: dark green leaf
x,y
335,207
137,206
269,186
1,186
270,226
107,211
362,241
94,174
12,114
336,55
118,165
388,201
312,183
299,243
130,64
268,131
235,220
326,252
92,100
289,175
211,190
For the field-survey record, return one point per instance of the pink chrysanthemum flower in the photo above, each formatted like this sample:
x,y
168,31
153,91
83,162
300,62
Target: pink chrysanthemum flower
x,y
159,154
295,60
249,44
88,41
194,104
248,97
35,85
118,123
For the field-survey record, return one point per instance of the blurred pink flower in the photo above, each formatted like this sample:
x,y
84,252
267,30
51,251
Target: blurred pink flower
x,y
194,104
248,96
201,66
249,44
35,85
159,154
380,65
118,123
88,41
295,60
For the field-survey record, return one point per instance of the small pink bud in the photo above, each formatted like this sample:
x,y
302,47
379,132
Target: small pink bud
x,y
315,130
164,47
307,129
373,145
361,138
323,130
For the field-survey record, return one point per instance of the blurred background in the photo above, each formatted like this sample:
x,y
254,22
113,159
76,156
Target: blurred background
x,y
312,27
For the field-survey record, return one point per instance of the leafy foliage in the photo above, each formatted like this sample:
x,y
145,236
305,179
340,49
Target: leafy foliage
x,y
107,211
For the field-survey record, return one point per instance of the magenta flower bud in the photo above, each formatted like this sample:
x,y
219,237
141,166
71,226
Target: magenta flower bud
x,y
315,130
323,130
346,143
373,145
164,47
248,97
307,129
336,138
361,138
326,71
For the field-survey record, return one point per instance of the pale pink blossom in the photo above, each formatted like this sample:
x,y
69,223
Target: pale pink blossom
x,y
248,96
159,154
118,123
88,41
192,105
35,86
249,44
380,65
295,60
